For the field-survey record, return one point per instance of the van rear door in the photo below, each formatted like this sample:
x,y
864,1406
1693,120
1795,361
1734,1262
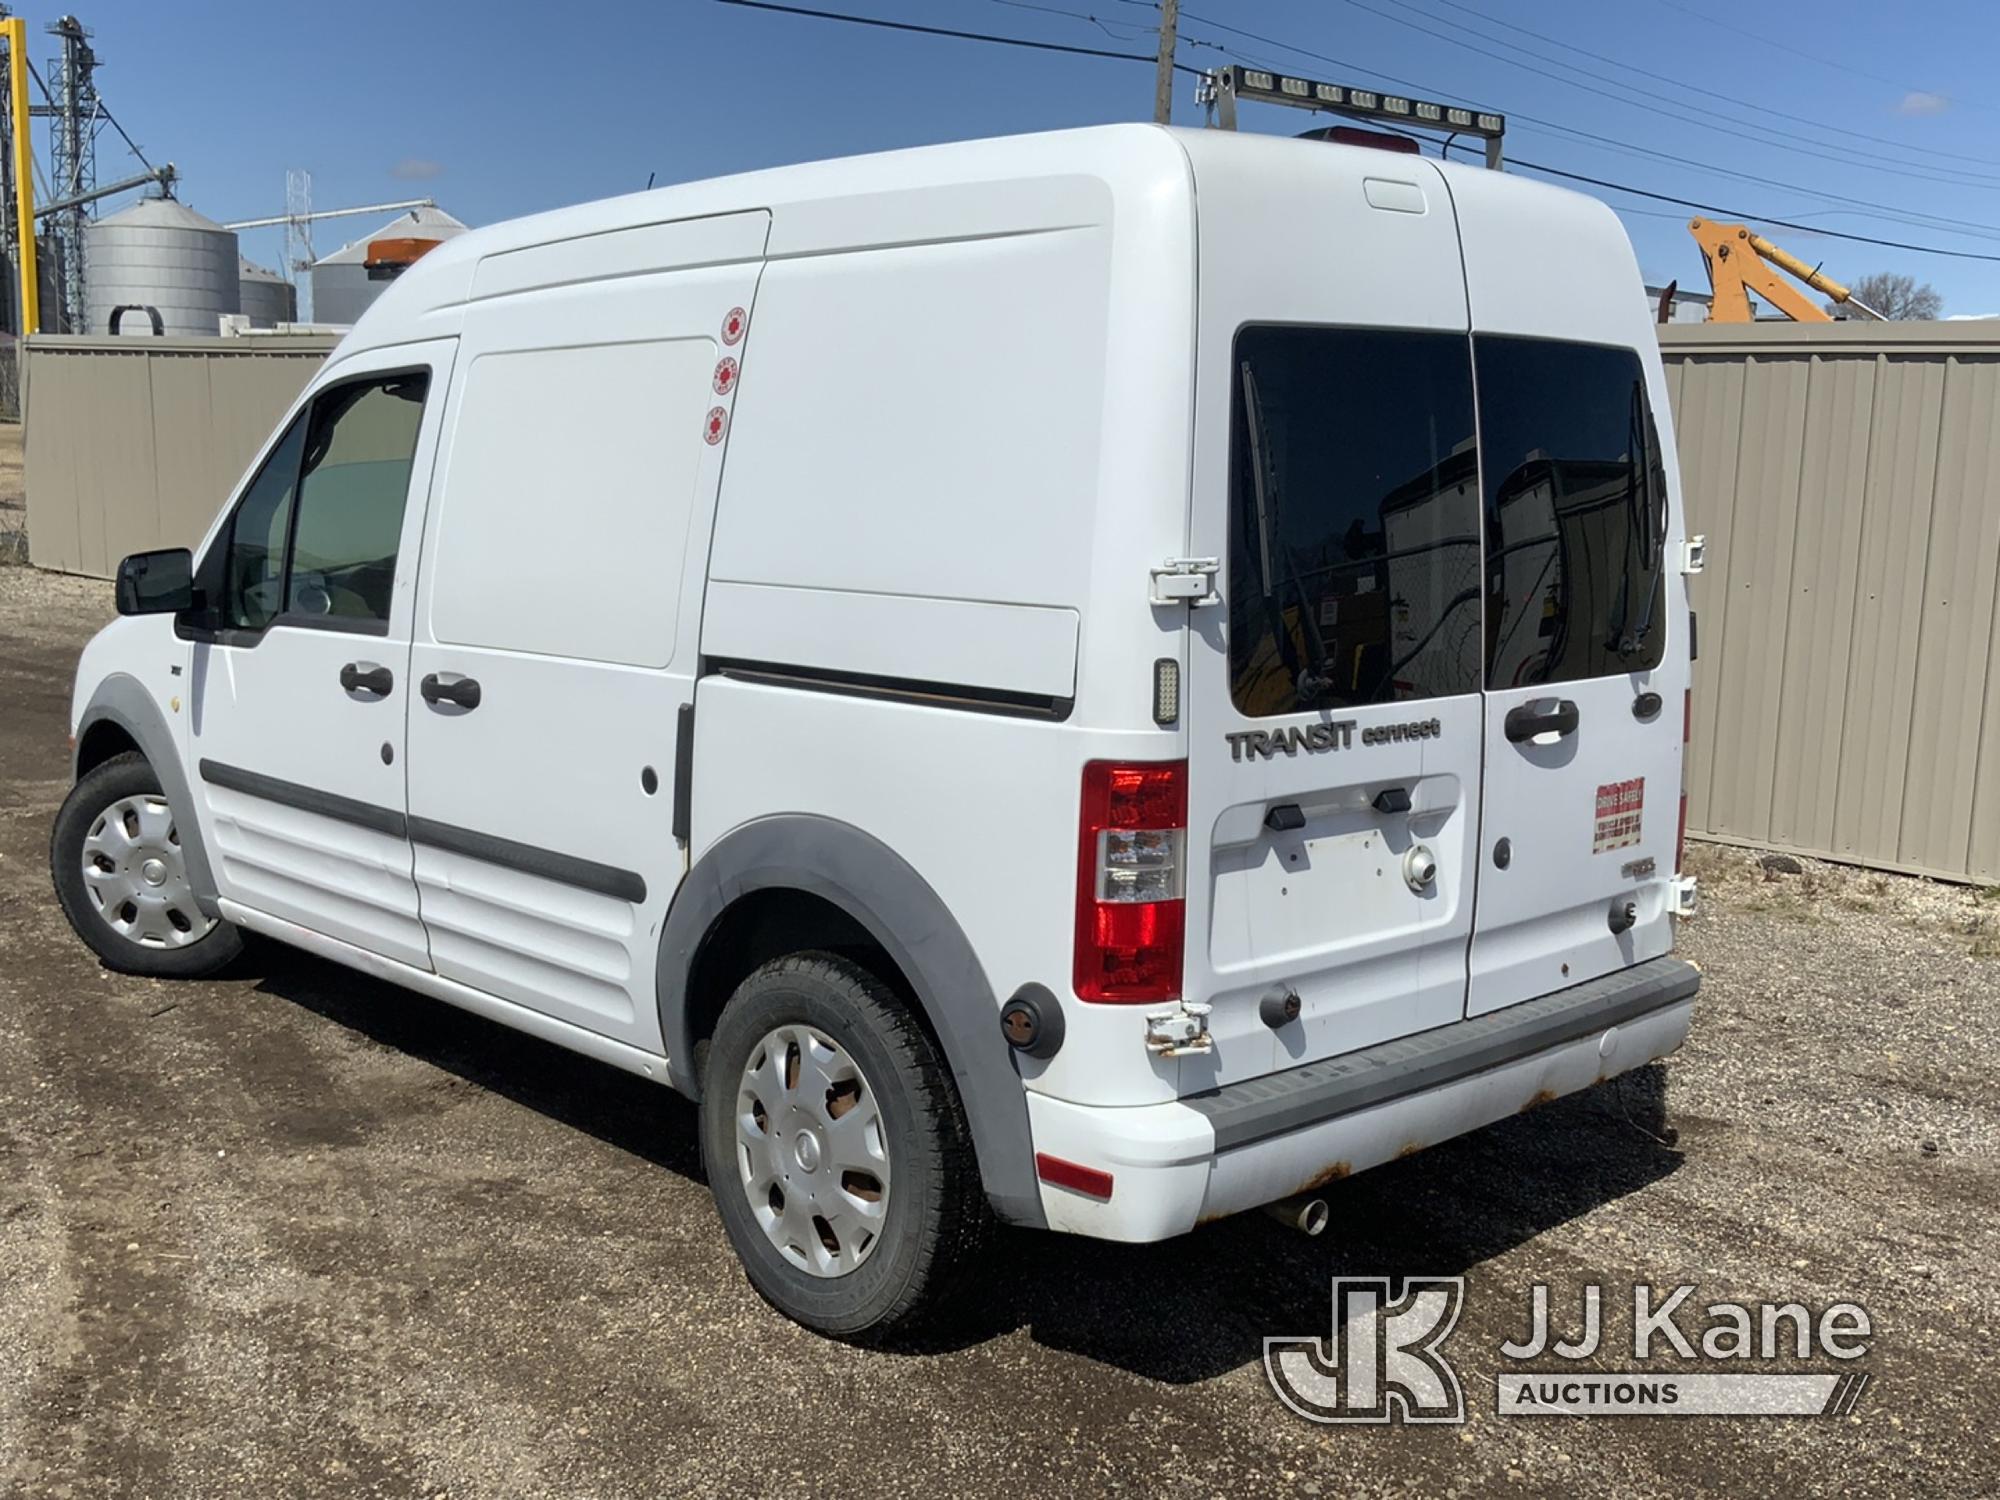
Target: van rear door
x,y
1333,696
1587,655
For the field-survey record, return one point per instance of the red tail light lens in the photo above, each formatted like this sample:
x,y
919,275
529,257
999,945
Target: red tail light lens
x,y
1131,911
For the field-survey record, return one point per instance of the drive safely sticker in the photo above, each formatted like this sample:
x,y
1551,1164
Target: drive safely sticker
x,y
1619,807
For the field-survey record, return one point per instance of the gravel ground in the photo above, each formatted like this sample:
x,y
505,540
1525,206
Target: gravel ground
x,y
294,1232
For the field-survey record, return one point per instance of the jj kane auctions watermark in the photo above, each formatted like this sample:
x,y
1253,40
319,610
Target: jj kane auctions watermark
x,y
1385,1359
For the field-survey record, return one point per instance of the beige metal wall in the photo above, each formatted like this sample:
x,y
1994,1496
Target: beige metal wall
x,y
1847,699
135,443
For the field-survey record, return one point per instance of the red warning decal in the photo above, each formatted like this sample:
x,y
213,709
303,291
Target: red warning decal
x,y
732,326
1620,807
725,375
715,426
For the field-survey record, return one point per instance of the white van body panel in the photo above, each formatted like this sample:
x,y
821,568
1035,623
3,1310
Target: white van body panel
x,y
827,499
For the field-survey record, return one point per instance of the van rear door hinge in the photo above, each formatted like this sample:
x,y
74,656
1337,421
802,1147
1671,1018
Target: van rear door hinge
x,y
1179,1032
1694,551
1186,580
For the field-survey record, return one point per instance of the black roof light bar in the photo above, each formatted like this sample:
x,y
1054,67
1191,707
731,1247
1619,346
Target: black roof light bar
x,y
1222,87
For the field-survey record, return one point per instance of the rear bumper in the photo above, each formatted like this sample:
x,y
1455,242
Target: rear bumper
x,y
1199,1158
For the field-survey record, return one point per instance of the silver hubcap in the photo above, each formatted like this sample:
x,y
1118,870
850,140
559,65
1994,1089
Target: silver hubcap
x,y
811,1151
137,878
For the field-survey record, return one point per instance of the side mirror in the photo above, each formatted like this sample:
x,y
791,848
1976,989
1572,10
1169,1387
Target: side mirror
x,y
156,583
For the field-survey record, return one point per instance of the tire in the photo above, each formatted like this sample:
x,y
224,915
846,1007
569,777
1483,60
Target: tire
x,y
933,1212
166,936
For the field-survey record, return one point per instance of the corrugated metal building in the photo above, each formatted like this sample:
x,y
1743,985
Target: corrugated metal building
x,y
1847,699
136,443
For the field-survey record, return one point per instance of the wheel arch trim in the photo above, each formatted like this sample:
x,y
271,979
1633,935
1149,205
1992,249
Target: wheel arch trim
x,y
871,883
122,699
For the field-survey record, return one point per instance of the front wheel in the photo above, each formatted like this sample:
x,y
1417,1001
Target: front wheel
x,y
836,1149
121,876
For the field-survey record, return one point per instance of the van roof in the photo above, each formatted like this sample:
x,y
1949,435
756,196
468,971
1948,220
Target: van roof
x,y
854,202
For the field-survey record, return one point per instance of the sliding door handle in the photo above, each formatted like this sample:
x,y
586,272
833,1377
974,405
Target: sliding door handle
x,y
463,691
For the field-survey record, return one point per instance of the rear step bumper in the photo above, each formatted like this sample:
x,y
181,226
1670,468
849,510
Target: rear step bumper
x,y
1175,1165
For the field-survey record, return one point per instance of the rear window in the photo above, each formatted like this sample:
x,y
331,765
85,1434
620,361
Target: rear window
x,y
1358,569
1575,506
1354,562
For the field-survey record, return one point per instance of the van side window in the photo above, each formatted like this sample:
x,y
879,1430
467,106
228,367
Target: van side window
x,y
1354,559
354,477
1576,512
252,584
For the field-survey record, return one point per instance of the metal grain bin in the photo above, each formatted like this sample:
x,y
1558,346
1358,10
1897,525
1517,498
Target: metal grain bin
x,y
341,290
267,298
164,255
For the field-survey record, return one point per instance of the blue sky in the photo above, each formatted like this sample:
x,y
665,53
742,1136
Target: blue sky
x,y
502,108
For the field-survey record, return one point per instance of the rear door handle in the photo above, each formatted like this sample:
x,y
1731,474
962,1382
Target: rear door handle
x,y
1527,721
358,678
464,691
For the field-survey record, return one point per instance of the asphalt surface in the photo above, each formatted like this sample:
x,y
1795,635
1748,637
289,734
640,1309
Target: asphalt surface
x,y
295,1232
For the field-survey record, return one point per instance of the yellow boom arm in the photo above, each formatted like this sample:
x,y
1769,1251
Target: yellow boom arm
x,y
1740,262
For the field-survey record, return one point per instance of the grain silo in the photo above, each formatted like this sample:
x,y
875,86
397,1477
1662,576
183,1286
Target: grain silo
x,y
160,254
341,287
267,298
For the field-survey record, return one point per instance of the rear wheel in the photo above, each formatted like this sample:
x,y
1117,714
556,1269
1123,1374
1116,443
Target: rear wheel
x,y
836,1149
121,875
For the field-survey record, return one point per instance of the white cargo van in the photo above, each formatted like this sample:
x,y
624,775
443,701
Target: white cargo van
x,y
1100,679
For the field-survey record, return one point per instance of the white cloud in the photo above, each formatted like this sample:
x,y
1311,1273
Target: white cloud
x,y
423,169
1920,103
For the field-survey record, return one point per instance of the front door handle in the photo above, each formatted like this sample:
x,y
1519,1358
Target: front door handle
x,y
1527,721
463,691
356,677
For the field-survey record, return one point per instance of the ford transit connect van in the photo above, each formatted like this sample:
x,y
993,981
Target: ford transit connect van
x,y
1097,680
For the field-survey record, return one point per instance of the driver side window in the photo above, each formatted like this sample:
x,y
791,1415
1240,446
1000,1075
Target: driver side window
x,y
315,536
253,572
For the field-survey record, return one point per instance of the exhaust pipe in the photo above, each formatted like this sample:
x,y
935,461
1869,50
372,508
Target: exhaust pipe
x,y
1307,1213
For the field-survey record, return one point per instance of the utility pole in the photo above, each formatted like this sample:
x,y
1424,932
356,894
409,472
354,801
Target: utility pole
x,y
1163,86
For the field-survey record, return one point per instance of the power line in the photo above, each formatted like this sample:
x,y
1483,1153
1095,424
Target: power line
x,y
1886,212
1814,57
1599,182
1077,15
1186,39
969,36
1889,212
1733,131
1738,213
1727,98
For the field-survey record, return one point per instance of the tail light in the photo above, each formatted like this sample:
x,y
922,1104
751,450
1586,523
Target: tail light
x,y
1131,911
1687,737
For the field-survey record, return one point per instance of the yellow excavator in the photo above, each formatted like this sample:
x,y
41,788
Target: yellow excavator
x,y
1741,261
